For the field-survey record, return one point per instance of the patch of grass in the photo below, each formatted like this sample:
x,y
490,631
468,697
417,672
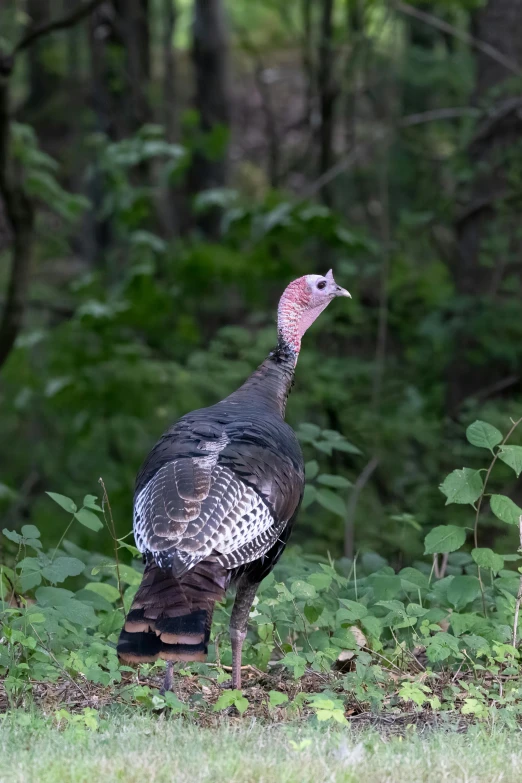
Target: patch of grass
x,y
135,748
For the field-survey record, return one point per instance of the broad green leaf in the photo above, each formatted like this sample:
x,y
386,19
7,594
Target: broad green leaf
x,y
505,510
393,606
276,698
311,469
350,610
78,613
88,519
483,435
13,536
463,590
331,502
309,430
109,592
128,575
512,456
486,558
462,486
303,590
309,495
345,445
231,698
30,531
312,612
461,622
320,580
444,538
61,568
36,617
413,579
294,661
135,552
53,596
337,482
63,501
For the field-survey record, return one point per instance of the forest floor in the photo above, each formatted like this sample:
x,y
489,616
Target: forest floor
x,y
132,747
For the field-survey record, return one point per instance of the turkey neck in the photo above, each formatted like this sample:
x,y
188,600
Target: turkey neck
x,y
270,384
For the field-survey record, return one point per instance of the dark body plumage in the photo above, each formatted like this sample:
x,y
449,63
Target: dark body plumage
x,y
214,503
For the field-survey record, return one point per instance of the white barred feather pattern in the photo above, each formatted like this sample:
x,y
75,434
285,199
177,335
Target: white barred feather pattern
x,y
231,523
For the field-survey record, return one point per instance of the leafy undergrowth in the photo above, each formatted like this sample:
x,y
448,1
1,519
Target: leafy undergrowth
x,y
329,642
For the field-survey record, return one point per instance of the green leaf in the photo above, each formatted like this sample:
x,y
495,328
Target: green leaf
x,y
413,579
78,613
505,510
486,558
129,575
294,661
61,568
109,592
88,519
13,536
309,430
311,470
483,435
512,456
63,501
309,495
231,698
53,596
276,698
351,610
444,538
463,590
91,501
135,552
331,502
462,486
312,612
337,482
320,580
345,445
30,531
303,590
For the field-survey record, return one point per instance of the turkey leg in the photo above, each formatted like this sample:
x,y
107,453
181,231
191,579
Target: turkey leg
x,y
167,682
245,595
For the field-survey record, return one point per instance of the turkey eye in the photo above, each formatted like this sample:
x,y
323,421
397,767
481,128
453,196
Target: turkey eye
x,y
322,284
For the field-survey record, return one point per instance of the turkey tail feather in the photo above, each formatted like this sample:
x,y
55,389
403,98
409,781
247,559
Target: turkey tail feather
x,y
170,618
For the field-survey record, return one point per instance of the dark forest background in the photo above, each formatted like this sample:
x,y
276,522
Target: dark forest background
x,y
167,166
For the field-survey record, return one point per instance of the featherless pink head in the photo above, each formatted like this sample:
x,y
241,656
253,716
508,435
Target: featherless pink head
x,y
302,301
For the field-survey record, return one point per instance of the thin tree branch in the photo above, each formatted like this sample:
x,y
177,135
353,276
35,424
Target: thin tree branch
x,y
62,23
486,479
445,27
385,136
519,595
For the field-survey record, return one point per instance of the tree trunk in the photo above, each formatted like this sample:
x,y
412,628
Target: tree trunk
x,y
210,57
169,71
327,94
120,66
42,83
120,62
489,247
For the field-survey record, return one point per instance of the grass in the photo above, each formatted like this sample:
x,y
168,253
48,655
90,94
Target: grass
x,y
137,748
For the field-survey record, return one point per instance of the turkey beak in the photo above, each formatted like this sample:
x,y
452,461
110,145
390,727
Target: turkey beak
x,y
342,292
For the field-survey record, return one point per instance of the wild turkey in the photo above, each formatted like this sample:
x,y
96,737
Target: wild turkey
x,y
215,501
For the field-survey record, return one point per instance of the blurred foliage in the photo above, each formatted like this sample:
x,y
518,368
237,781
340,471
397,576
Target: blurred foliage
x,y
120,342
